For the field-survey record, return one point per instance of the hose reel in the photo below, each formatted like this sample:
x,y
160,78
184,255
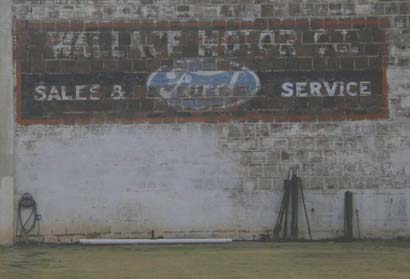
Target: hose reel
x,y
27,218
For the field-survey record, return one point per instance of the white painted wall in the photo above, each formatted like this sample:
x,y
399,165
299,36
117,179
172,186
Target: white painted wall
x,y
134,179
181,181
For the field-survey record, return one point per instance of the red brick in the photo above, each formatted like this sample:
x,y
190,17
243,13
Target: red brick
x,y
63,25
34,25
77,25
147,24
48,26
91,26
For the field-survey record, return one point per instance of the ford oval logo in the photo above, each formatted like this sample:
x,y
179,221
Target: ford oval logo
x,y
189,89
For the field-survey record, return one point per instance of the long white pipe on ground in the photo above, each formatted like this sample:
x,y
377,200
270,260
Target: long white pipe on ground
x,y
154,241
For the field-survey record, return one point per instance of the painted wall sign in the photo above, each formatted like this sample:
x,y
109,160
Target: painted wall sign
x,y
192,71
203,89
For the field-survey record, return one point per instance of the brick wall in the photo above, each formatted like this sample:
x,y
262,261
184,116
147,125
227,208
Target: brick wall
x,y
95,78
338,64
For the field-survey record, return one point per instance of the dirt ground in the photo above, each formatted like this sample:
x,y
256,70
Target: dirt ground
x,y
387,260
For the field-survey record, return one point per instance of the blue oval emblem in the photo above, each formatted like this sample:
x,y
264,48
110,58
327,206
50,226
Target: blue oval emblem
x,y
203,89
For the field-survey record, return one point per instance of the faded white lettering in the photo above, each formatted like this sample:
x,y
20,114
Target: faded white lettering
x,y
351,89
331,91
40,93
365,88
315,88
326,89
117,93
54,95
287,89
79,89
300,89
94,90
64,95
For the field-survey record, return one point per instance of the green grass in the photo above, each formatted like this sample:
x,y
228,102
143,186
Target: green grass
x,y
387,260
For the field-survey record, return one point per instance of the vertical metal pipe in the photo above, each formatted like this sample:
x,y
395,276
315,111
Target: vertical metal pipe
x,y
348,220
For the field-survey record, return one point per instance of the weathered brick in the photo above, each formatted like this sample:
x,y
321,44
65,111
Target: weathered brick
x,y
313,41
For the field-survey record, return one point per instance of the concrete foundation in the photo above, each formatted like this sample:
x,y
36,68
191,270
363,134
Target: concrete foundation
x,y
7,211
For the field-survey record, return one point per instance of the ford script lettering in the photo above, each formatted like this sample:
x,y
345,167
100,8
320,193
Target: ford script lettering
x,y
196,90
